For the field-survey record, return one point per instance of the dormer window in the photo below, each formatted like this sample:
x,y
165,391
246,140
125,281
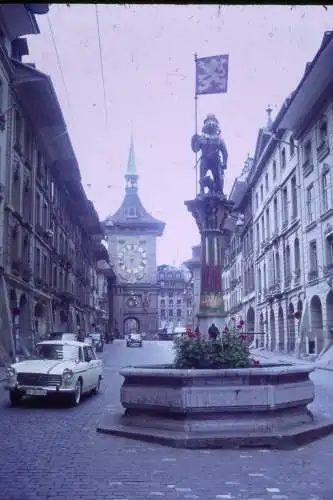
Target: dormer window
x,y
132,213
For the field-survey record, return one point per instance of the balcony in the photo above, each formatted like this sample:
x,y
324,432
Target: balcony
x,y
313,274
322,150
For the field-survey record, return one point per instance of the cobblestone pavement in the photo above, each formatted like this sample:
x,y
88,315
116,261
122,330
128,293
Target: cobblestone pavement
x,y
52,452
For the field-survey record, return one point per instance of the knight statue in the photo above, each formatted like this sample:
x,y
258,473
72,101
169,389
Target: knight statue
x,y
214,156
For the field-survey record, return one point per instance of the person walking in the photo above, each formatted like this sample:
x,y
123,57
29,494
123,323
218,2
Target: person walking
x,y
213,332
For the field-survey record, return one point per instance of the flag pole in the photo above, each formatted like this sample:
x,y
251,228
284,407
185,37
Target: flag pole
x,y
196,122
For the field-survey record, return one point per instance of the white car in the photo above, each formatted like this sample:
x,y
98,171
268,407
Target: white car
x,y
134,339
64,368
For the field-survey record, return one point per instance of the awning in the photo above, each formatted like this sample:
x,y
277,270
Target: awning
x,y
315,82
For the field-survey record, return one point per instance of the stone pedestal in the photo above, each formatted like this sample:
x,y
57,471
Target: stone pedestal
x,y
210,213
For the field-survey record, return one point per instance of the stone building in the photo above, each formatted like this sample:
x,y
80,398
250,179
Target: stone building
x,y
175,301
290,184
131,235
49,231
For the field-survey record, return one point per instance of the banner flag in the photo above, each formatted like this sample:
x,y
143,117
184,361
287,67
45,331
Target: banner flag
x,y
212,74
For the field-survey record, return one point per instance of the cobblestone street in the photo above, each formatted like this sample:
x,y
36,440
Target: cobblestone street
x,y
52,452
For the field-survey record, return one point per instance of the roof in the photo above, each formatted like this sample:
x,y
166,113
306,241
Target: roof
x,y
133,205
63,342
131,164
316,80
38,98
19,18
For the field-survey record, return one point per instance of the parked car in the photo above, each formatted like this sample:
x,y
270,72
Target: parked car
x,y
62,336
134,339
97,341
64,368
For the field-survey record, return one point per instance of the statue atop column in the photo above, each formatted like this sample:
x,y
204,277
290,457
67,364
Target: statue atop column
x,y
214,156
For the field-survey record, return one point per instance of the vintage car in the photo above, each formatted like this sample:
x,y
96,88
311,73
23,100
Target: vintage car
x,y
64,368
134,339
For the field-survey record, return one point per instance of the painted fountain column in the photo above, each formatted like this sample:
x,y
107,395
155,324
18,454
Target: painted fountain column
x,y
210,209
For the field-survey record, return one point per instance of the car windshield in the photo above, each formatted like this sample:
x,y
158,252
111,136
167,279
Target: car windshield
x,y
57,351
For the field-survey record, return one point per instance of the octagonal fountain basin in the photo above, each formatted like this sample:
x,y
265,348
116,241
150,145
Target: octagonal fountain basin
x,y
223,408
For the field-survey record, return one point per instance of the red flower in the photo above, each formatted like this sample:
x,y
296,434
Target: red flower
x,y
239,326
255,362
242,336
241,322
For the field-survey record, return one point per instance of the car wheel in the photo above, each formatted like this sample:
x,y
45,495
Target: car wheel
x,y
15,398
97,389
127,345
75,398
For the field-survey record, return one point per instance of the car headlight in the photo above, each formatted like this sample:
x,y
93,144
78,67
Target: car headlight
x,y
11,372
67,375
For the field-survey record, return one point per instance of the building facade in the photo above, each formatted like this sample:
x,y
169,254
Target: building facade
x,y
290,184
50,232
131,235
175,300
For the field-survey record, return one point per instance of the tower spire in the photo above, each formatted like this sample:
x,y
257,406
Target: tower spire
x,y
269,117
131,175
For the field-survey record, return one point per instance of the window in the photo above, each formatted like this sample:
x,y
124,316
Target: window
x,y
285,205
45,217
257,201
323,133
258,235
329,251
1,96
313,257
276,215
162,302
44,269
294,197
278,268
28,145
18,129
297,256
261,192
37,263
268,233
179,313
325,185
274,170
132,213
266,183
283,158
309,204
170,313
291,146
308,152
263,228
38,208
88,354
259,280
163,315
265,278
170,294
288,264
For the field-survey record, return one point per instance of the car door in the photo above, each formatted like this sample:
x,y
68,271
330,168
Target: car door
x,y
95,363
89,379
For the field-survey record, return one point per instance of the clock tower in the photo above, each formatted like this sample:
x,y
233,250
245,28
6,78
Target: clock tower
x,y
131,235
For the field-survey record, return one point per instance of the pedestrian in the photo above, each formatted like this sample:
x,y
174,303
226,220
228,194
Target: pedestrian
x,y
213,332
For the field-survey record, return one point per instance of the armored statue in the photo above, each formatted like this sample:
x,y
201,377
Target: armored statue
x,y
214,156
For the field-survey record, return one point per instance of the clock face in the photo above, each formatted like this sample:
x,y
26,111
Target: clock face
x,y
132,261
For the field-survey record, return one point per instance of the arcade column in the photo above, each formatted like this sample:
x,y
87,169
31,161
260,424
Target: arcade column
x,y
210,213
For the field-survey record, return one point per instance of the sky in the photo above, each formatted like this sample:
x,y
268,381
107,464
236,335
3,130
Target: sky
x,y
149,74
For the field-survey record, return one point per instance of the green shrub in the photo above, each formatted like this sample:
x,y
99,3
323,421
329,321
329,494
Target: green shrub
x,y
228,351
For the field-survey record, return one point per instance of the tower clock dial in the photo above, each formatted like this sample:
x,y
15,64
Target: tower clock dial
x,y
132,262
